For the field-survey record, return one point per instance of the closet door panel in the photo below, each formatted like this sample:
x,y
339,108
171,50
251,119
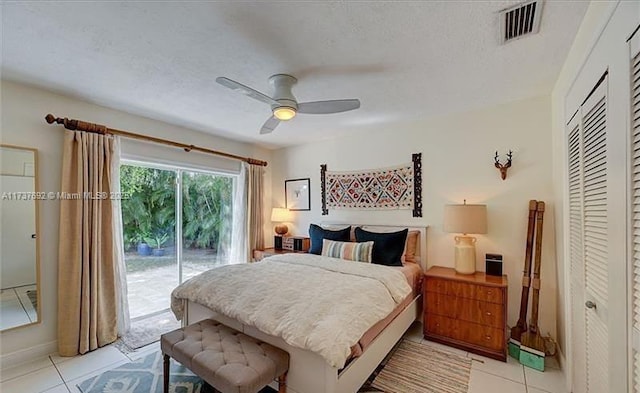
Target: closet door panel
x,y
634,270
596,237
589,232
576,254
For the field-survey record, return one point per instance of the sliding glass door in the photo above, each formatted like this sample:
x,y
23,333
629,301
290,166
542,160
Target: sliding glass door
x,y
207,218
176,224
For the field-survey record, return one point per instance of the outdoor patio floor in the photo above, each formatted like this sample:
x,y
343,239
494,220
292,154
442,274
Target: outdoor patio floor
x,y
149,288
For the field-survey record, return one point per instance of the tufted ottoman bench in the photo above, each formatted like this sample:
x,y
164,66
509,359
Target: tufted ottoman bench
x,y
226,359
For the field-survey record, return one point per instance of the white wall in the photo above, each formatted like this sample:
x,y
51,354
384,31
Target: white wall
x,y
23,110
457,155
599,45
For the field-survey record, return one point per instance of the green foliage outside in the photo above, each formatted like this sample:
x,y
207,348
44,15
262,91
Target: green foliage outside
x,y
149,212
207,211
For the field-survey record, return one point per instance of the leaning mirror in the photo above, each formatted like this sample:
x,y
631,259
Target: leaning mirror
x,y
19,265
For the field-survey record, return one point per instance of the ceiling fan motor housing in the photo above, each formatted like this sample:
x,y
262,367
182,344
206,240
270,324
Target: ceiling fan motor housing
x,y
282,85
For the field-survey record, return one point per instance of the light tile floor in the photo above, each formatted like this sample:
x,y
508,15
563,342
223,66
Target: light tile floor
x,y
54,374
492,376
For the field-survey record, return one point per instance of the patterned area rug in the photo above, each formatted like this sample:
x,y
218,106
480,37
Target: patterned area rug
x,y
145,376
419,368
410,368
148,330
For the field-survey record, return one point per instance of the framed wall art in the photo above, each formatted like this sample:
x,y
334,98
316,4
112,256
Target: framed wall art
x,y
297,194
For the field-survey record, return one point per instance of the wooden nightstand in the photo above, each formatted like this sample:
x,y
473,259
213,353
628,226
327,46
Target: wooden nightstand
x,y
267,252
466,311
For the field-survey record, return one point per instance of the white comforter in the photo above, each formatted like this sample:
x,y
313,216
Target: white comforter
x,y
313,302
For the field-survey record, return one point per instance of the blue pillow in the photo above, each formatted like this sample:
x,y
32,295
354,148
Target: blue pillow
x,y
387,247
317,233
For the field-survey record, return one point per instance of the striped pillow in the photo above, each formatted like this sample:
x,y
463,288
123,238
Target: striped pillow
x,y
351,251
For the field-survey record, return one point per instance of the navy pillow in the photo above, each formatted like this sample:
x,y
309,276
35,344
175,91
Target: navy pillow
x,y
317,233
387,247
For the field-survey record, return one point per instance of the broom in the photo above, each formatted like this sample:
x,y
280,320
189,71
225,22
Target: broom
x,y
532,348
521,325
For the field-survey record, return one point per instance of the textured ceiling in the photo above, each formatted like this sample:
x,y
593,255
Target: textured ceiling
x,y
403,60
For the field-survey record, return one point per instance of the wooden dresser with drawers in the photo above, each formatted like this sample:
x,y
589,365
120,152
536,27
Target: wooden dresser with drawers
x,y
466,311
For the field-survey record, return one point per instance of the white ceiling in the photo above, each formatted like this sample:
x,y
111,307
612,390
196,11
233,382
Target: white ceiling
x,y
403,60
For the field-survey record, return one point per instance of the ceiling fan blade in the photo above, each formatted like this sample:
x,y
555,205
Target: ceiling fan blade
x,y
331,106
269,125
246,90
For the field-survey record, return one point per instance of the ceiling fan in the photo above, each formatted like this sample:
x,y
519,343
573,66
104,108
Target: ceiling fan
x,y
284,105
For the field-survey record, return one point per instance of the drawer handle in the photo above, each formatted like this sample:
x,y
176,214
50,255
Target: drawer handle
x,y
437,325
488,313
488,338
489,292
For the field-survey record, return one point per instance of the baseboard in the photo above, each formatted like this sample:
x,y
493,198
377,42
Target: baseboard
x,y
16,358
562,362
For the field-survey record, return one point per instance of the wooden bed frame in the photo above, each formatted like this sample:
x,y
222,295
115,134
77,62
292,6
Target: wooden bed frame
x,y
308,371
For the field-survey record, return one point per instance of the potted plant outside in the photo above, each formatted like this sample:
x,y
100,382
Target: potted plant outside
x,y
157,242
143,249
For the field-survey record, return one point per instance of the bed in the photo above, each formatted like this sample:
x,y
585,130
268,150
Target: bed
x,y
320,370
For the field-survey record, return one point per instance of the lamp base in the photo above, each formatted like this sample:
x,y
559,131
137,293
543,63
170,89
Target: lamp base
x,y
465,254
281,229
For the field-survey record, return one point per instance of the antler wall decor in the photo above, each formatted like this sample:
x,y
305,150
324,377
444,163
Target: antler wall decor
x,y
503,167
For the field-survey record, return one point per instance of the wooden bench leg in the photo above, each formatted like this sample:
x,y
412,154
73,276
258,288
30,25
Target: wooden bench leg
x,y
282,383
165,373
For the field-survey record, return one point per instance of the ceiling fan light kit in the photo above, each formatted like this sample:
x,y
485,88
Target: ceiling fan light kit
x,y
284,113
284,105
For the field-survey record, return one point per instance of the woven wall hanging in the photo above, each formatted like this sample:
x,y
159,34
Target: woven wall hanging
x,y
398,187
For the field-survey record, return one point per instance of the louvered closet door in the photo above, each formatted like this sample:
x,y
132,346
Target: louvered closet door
x,y
588,242
576,253
596,258
634,270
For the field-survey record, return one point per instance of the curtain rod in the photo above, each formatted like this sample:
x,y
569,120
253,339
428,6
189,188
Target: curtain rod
x,y
72,124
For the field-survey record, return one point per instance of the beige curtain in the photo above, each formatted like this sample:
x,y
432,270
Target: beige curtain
x,y
255,210
124,321
87,292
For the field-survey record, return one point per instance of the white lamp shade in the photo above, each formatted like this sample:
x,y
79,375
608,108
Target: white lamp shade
x,y
467,219
280,214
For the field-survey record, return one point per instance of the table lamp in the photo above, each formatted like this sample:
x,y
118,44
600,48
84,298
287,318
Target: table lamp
x,y
281,215
465,219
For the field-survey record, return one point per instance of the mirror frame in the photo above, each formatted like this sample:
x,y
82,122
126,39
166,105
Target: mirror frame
x,y
37,207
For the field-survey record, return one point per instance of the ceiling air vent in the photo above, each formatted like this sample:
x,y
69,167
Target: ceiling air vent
x,y
520,20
